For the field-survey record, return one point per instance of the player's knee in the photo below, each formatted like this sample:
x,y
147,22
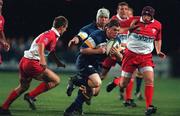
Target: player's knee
x,y
149,82
98,83
96,94
94,83
123,84
22,88
57,81
96,91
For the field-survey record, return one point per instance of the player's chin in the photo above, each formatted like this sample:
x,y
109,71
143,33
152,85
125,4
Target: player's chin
x,y
114,35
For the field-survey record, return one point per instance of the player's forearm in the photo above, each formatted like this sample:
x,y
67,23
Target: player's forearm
x,y
158,45
2,37
119,57
41,54
90,51
54,57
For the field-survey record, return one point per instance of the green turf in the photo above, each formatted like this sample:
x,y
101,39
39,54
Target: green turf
x,y
54,102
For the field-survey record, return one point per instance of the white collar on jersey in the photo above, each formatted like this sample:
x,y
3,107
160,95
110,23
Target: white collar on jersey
x,y
121,18
141,20
55,31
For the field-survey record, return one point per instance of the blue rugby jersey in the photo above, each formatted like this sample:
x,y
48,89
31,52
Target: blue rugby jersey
x,y
95,39
86,31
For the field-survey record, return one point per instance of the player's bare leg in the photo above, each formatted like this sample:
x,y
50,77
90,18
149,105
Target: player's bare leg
x,y
22,87
50,80
94,83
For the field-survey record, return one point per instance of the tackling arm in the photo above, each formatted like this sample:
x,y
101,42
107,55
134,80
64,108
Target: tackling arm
x,y
73,41
54,57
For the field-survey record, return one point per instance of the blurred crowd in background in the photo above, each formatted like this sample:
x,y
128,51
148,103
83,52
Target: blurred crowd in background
x,y
19,45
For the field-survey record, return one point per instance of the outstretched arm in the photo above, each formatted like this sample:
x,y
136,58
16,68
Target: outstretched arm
x,y
54,57
73,41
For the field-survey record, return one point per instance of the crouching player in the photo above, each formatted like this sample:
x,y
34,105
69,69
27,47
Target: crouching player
x,y
33,66
102,18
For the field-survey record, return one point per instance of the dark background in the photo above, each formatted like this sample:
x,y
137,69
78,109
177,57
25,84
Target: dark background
x,y
31,17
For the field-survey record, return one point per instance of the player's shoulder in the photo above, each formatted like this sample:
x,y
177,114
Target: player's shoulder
x,y
50,34
89,26
114,17
136,17
97,33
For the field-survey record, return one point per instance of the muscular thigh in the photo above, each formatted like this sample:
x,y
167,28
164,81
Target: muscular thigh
x,y
48,75
87,70
95,78
91,72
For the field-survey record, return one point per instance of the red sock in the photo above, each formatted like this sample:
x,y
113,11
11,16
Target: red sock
x,y
149,90
39,89
12,96
129,88
117,81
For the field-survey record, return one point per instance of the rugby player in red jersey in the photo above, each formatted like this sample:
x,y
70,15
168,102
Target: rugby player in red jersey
x,y
122,16
3,42
145,35
34,66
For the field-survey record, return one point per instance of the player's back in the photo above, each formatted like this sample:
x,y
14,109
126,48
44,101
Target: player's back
x,y
86,31
49,39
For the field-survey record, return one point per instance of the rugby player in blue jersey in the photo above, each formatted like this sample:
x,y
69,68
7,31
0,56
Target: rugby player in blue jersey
x,y
102,18
89,64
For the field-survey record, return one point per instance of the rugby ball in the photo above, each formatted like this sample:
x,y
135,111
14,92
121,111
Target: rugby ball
x,y
110,44
113,43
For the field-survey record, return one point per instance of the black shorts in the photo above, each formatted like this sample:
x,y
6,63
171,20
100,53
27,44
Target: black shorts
x,y
88,70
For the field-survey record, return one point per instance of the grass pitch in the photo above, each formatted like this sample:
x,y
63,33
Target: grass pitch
x,y
55,101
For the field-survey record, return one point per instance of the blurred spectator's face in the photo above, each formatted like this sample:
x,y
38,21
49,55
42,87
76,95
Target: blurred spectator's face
x,y
122,11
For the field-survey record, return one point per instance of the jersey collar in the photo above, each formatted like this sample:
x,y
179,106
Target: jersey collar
x,y
55,31
121,18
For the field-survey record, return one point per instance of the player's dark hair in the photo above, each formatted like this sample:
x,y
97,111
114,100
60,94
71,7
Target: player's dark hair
x,y
122,4
60,21
113,22
148,10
